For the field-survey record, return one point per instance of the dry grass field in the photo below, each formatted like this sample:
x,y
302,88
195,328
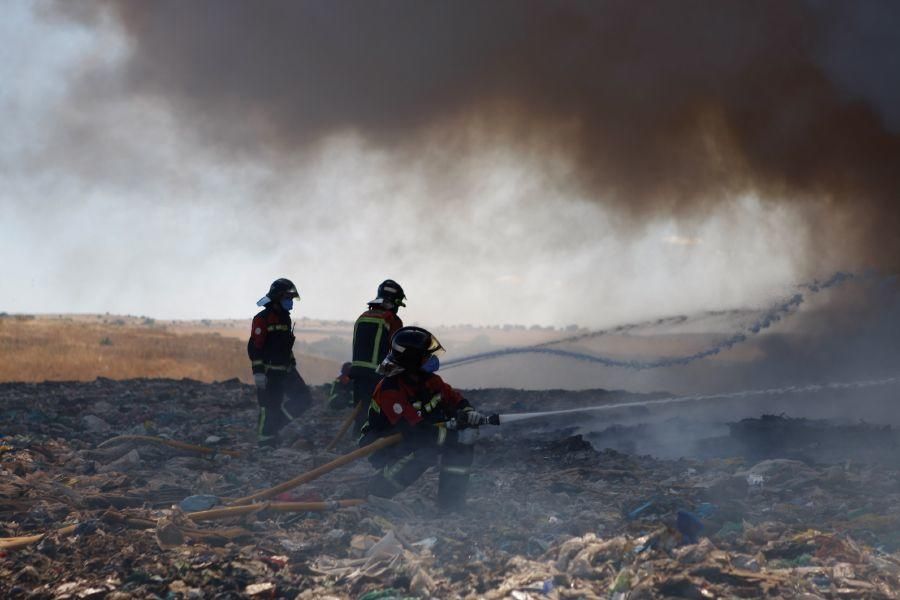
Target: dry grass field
x,y
83,348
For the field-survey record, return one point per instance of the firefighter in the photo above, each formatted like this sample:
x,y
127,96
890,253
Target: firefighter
x,y
414,401
280,390
371,342
341,393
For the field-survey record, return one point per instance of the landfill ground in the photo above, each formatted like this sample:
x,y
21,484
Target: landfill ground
x,y
550,515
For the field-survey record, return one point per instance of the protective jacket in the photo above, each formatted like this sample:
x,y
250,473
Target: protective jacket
x,y
372,339
340,395
416,405
271,343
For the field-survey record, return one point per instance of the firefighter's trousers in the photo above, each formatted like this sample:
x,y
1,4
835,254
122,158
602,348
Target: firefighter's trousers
x,y
284,399
364,382
401,465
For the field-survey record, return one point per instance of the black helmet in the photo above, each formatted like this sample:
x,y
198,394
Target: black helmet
x,y
280,288
411,346
390,294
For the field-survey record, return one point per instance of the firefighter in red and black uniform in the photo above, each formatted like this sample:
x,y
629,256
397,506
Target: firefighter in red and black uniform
x,y
414,401
371,342
281,392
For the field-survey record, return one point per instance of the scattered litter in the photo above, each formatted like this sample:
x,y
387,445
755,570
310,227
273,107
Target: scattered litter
x,y
689,526
260,589
549,516
198,502
755,479
426,543
94,424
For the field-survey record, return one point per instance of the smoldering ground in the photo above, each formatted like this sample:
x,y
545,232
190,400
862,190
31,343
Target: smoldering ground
x,y
654,108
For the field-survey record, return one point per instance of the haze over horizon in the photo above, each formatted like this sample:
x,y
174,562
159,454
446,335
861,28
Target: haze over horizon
x,y
162,162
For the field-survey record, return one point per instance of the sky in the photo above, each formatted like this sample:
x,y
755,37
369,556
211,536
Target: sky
x,y
146,168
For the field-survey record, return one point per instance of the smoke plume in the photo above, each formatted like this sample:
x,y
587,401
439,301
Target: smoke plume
x,y
656,107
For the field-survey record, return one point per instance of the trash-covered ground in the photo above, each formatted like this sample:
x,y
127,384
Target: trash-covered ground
x,y
550,515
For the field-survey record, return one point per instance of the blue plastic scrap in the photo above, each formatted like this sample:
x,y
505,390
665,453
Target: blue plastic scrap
x,y
198,502
689,526
637,512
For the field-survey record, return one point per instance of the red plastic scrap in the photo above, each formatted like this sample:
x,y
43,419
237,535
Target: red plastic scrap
x,y
276,562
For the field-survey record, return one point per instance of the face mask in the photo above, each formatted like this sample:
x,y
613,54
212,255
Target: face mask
x,y
432,364
287,303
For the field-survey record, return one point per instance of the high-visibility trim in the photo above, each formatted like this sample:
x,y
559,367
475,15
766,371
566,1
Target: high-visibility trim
x,y
374,406
382,325
390,472
442,435
428,406
256,363
278,367
285,411
278,328
396,484
262,422
456,470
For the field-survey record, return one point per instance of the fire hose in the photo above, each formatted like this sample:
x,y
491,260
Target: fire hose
x,y
345,425
378,444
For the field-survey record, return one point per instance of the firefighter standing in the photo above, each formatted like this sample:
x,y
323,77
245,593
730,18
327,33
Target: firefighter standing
x,y
371,342
281,392
414,401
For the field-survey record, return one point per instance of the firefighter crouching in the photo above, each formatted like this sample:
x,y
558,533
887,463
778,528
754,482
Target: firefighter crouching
x,y
281,392
340,395
414,401
372,334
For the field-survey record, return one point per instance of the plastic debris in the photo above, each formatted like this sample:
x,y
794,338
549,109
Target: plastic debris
x,y
198,502
634,514
689,526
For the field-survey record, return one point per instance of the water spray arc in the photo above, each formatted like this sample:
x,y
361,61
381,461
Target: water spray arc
x,y
769,317
793,389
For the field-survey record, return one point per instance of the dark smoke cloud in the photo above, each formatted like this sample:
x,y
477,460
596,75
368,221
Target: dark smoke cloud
x,y
660,107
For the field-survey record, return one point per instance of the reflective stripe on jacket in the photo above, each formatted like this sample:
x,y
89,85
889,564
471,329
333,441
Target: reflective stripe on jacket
x,y
372,337
271,342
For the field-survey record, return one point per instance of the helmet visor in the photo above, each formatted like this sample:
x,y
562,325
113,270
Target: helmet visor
x,y
435,346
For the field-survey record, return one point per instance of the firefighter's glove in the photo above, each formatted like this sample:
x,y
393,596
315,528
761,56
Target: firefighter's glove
x,y
471,418
260,380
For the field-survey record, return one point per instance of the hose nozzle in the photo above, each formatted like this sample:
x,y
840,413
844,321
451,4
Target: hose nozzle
x,y
493,419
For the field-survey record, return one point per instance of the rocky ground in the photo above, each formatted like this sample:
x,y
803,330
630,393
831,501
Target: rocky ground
x,y
551,515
